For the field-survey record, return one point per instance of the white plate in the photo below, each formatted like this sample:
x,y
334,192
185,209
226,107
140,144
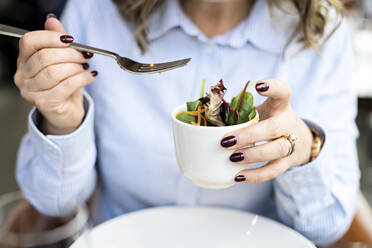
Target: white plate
x,y
191,227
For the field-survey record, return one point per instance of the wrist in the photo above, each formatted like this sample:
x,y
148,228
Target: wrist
x,y
318,139
60,125
305,141
47,127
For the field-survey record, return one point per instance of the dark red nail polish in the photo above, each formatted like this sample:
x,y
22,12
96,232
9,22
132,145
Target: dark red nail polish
x,y
85,66
87,55
51,15
67,39
262,87
239,178
228,141
237,157
94,73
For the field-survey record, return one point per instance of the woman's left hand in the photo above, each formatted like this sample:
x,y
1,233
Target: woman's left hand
x,y
277,119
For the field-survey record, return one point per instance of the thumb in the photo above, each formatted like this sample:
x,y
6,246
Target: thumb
x,y
53,24
278,93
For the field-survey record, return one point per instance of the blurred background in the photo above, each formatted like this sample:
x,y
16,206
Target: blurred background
x,y
30,14
27,14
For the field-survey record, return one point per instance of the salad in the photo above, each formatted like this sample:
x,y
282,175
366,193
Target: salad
x,y
213,110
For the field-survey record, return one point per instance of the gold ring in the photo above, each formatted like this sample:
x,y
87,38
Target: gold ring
x,y
291,138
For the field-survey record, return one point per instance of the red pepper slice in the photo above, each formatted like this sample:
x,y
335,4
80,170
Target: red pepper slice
x,y
242,96
230,108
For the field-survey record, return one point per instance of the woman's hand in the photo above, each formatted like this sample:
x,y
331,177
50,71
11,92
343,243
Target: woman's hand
x,y
277,119
51,76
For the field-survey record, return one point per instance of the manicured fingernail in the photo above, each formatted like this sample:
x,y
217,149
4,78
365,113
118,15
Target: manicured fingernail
x,y
262,87
239,178
85,66
228,141
67,39
88,55
94,73
51,15
237,157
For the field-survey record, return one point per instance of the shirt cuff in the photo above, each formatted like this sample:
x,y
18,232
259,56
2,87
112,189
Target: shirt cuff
x,y
64,149
308,185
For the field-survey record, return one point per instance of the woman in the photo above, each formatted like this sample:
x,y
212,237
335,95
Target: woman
x,y
118,132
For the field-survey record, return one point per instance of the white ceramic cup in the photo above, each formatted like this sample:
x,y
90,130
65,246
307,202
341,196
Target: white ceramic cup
x,y
200,156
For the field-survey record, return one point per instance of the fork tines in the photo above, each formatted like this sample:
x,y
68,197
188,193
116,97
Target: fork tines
x,y
163,66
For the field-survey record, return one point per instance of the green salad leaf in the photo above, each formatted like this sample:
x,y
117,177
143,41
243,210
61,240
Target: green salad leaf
x,y
252,115
246,108
215,111
246,112
193,106
184,117
230,118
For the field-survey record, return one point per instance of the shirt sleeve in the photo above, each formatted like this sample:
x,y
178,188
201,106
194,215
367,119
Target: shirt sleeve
x,y
56,171
319,198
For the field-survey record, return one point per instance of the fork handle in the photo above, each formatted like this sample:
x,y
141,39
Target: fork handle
x,y
18,33
12,31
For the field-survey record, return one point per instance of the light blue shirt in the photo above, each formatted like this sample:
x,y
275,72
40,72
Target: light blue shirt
x,y
125,142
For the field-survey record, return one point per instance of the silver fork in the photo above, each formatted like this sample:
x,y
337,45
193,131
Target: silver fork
x,y
125,63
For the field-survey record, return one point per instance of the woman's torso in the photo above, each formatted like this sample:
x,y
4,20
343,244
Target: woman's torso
x,y
136,159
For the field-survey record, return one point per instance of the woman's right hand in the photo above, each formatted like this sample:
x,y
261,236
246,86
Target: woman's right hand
x,y
51,76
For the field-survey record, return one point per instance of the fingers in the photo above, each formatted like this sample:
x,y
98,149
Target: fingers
x,y
47,100
268,129
53,24
278,94
267,172
50,77
51,56
32,42
70,85
53,37
272,126
276,149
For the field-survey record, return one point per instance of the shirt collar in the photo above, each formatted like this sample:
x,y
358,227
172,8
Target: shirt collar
x,y
164,19
264,28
